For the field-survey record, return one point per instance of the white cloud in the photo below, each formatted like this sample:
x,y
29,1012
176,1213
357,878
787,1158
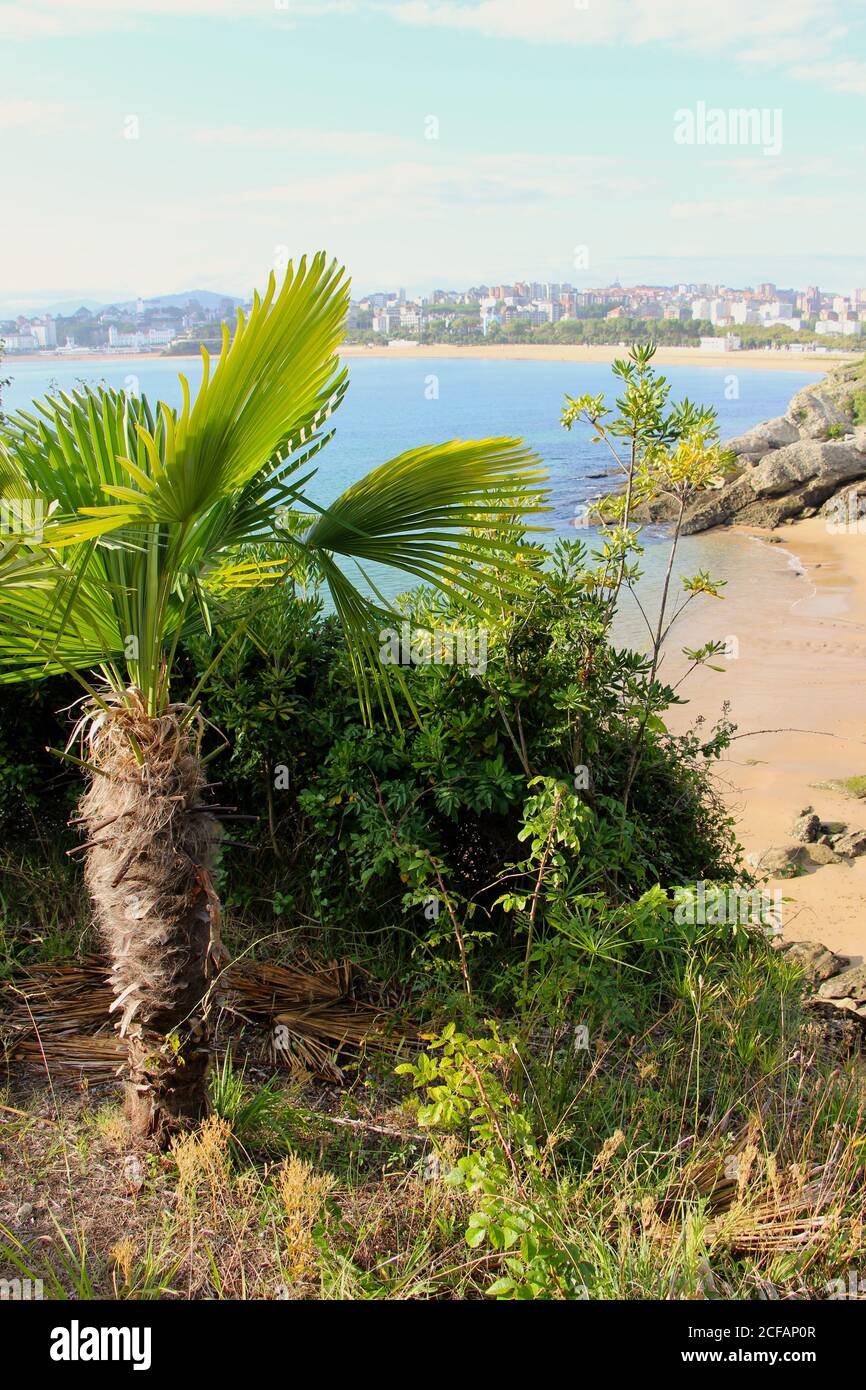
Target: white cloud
x,y
356,144
842,75
799,37
27,115
44,19
722,210
617,21
418,188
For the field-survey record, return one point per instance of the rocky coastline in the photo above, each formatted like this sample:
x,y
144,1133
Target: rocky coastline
x,y
809,461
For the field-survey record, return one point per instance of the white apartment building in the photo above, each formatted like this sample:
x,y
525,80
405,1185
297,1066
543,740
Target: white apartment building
x,y
850,328
386,321
19,342
152,337
411,318
742,311
45,332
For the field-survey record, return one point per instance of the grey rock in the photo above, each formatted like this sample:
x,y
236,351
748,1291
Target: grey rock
x,y
816,409
770,434
807,827
851,843
779,861
821,854
719,507
817,961
846,990
24,1212
846,509
820,465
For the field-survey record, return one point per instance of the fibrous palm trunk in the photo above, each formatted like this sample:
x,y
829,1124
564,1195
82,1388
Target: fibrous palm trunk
x,y
150,850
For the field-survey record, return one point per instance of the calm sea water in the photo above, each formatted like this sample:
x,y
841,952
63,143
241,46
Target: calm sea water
x,y
395,404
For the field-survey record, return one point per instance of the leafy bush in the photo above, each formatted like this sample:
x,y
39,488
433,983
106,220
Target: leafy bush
x,y
393,829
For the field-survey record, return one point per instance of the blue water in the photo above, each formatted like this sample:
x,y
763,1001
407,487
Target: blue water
x,y
395,404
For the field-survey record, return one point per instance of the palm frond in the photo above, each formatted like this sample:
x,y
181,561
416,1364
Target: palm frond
x,y
152,514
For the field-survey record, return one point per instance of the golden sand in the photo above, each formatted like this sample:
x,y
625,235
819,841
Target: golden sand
x,y
800,673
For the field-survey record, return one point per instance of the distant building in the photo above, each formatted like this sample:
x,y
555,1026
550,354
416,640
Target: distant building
x,y
45,332
552,310
386,321
19,342
849,327
411,319
728,342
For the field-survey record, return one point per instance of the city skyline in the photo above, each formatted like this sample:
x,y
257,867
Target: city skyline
x,y
428,144
176,322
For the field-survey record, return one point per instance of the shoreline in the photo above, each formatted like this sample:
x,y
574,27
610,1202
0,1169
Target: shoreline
x,y
608,352
503,352
799,618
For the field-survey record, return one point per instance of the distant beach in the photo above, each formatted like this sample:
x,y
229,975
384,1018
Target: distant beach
x,y
603,352
506,352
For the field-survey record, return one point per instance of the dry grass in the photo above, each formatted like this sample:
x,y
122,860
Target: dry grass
x,y
55,1015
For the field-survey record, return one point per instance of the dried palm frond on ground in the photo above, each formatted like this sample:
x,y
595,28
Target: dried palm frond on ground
x,y
757,1206
310,1013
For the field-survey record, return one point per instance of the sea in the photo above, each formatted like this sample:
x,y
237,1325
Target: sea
x,y
396,404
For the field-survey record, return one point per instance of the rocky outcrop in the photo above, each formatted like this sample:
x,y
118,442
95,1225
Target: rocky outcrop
x,y
813,842
834,997
817,962
846,991
851,843
789,467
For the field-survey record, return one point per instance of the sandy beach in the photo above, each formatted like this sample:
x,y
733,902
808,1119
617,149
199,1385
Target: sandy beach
x,y
819,363
666,356
797,692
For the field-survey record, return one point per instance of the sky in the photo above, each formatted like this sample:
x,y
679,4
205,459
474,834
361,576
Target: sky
x,y
162,145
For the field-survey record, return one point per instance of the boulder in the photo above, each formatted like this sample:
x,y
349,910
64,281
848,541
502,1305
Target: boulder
x,y
718,507
779,861
770,434
851,843
821,854
807,826
823,466
815,410
846,992
817,961
851,982
846,510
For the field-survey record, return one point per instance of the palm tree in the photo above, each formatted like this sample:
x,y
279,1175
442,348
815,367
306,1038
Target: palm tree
x,y
151,514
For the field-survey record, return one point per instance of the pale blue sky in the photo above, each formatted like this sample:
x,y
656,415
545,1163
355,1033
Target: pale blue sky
x,y
264,126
